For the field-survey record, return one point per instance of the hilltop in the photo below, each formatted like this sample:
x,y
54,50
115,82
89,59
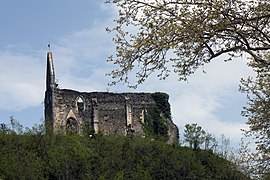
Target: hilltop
x,y
31,156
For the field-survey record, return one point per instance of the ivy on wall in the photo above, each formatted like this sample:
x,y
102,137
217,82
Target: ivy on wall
x,y
155,125
162,103
155,119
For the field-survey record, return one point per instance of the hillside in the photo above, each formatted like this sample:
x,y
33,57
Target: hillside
x,y
105,157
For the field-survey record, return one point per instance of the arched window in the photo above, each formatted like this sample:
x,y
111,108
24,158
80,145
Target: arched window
x,y
80,104
72,126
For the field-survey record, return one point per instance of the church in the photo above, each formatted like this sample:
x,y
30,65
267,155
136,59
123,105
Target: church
x,y
68,111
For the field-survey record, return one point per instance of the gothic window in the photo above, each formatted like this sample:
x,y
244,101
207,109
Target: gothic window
x,y
80,104
72,126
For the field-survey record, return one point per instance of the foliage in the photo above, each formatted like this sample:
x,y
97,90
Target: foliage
x,y
162,102
244,160
3,128
15,125
37,129
179,36
224,148
87,130
194,135
155,125
157,116
105,157
209,141
197,138
258,114
17,128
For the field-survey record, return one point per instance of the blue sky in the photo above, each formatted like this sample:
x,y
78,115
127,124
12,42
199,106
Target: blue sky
x,y
80,45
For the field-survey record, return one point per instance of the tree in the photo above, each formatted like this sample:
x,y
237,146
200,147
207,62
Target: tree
x,y
244,159
3,128
179,36
224,148
258,114
16,127
209,141
37,129
194,135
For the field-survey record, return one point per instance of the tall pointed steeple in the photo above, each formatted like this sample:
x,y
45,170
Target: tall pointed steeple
x,y
50,76
49,101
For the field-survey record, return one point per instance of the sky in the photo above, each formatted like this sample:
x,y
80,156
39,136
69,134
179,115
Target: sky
x,y
80,45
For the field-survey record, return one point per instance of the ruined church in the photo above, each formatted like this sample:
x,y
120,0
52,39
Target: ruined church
x,y
69,111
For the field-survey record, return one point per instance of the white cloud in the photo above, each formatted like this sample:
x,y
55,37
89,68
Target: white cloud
x,y
205,95
200,108
193,102
79,59
22,81
80,64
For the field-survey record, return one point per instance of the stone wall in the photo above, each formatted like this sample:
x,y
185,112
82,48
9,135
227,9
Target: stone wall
x,y
68,111
107,113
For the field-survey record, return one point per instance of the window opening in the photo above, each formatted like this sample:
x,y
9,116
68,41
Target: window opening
x,y
80,104
72,126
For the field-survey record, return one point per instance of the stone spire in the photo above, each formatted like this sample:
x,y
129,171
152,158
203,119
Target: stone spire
x,y
50,76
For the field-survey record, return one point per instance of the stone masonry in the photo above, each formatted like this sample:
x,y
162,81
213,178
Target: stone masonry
x,y
69,111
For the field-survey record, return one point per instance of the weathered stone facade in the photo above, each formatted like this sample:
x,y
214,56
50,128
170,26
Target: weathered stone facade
x,y
68,111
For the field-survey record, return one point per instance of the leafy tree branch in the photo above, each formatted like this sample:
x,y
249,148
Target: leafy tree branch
x,y
180,36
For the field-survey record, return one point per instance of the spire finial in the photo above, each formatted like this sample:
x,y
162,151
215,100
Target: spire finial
x,y
50,70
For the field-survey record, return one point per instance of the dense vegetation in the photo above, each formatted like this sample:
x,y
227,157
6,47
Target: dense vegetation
x,y
155,125
31,156
165,37
162,103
